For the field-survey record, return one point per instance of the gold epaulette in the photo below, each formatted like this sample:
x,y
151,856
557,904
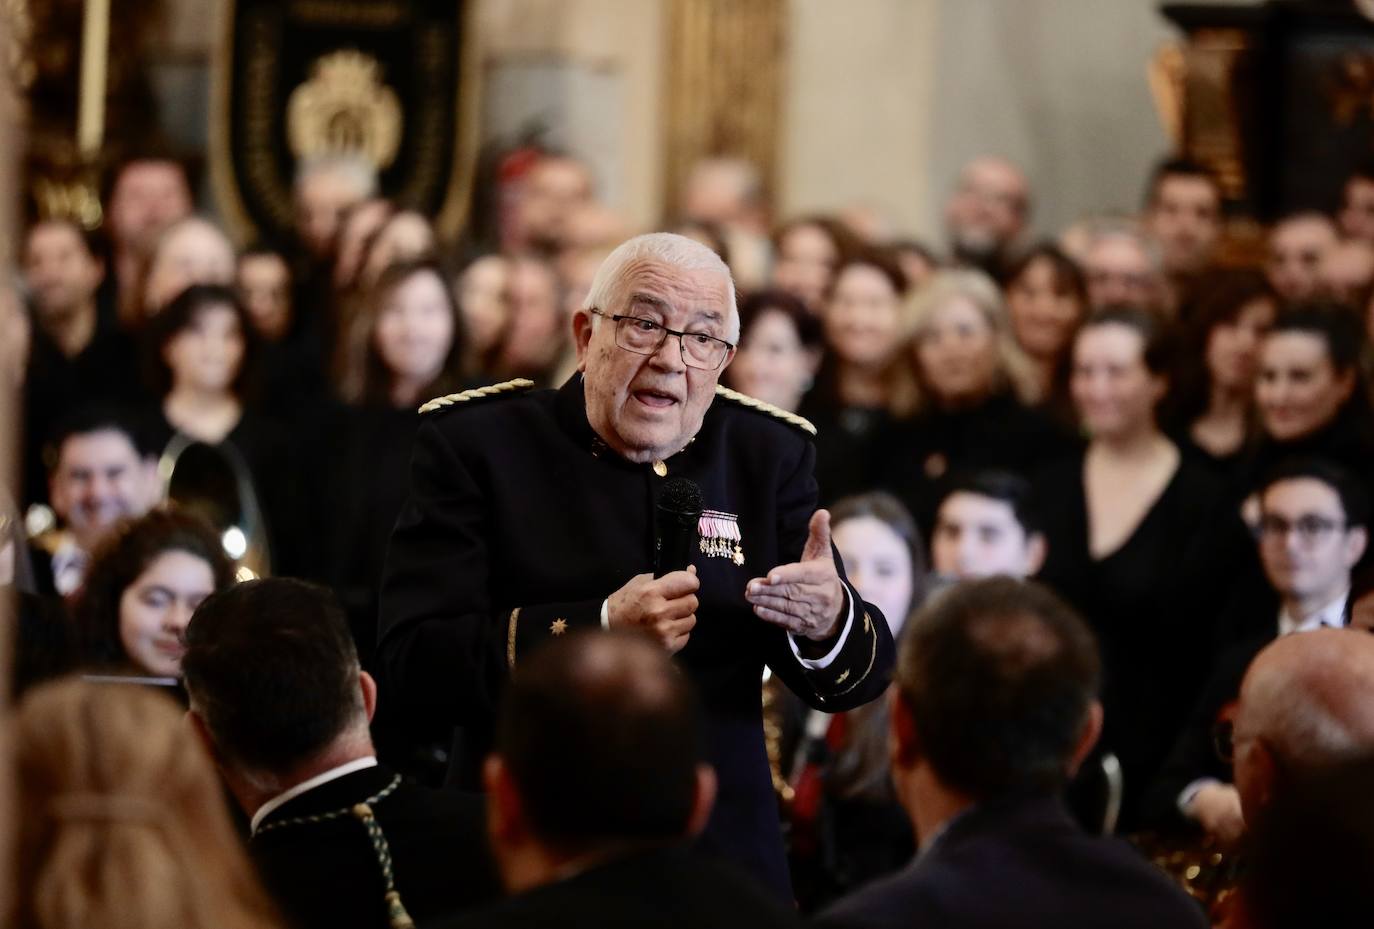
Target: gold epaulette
x,y
792,419
478,393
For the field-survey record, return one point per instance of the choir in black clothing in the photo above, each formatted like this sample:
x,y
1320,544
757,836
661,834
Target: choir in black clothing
x,y
1123,453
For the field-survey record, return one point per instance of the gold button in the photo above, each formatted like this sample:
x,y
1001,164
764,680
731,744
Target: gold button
x,y
661,468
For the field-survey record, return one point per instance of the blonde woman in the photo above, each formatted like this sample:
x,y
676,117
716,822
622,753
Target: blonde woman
x,y
968,406
122,819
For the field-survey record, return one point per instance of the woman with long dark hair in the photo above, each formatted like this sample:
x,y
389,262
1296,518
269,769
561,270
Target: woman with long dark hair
x,y
1212,403
144,583
866,375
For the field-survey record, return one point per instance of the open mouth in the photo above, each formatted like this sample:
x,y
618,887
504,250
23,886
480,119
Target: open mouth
x,y
655,399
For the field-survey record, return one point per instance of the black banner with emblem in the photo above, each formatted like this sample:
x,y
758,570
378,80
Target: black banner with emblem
x,y
303,79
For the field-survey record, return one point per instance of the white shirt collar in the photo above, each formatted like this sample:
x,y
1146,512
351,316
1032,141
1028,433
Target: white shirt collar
x,y
287,796
69,563
1332,614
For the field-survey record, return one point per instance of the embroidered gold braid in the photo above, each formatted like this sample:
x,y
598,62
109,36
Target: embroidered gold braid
x,y
872,659
793,419
477,393
397,916
510,637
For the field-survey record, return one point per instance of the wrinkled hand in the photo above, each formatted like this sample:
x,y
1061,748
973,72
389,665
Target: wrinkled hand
x,y
805,597
1216,807
665,607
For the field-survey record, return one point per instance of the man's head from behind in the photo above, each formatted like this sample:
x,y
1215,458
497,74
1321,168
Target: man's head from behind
x,y
996,693
1306,706
1304,743
275,685
599,746
100,472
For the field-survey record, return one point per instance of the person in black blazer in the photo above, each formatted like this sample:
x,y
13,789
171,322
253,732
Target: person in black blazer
x,y
278,697
597,784
536,513
1312,531
996,707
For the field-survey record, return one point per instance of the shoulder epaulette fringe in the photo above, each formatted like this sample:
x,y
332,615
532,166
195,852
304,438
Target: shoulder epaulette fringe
x,y
792,419
478,393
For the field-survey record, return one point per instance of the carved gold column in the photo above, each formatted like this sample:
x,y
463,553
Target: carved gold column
x,y
725,64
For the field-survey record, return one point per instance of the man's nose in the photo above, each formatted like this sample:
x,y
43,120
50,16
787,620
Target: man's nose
x,y
669,355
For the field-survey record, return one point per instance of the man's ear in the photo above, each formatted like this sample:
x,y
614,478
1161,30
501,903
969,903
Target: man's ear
x,y
1346,384
1256,776
197,724
1037,549
903,742
368,687
703,801
582,324
505,812
1356,540
1092,731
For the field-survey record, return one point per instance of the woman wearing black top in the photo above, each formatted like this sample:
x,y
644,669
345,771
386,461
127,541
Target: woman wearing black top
x,y
969,411
201,345
865,375
1212,400
1140,540
1311,394
412,351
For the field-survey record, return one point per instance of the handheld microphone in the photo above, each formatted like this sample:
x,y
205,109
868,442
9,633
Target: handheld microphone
x,y
679,514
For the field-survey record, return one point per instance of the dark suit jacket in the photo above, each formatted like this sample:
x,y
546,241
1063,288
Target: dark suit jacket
x,y
1194,755
668,888
1019,864
520,522
326,875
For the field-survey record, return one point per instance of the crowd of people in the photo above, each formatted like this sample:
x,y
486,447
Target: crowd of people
x,y
1087,481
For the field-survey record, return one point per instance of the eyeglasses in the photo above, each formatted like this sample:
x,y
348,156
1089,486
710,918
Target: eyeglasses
x,y
1225,742
645,337
1311,529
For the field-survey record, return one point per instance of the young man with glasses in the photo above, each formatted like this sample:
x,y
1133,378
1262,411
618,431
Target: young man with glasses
x,y
1312,532
535,513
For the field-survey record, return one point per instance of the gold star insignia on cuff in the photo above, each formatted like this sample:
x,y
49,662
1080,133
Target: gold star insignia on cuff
x,y
559,626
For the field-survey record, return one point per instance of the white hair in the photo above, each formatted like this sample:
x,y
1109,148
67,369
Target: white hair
x,y
666,248
1310,696
356,169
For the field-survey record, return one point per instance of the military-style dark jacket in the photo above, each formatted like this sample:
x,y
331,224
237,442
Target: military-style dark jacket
x,y
521,522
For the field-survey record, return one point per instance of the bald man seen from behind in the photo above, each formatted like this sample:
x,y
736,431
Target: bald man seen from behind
x,y
1304,765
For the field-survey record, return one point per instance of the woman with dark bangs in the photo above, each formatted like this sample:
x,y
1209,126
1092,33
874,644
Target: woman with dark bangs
x,y
1211,411
1047,299
808,255
200,353
865,375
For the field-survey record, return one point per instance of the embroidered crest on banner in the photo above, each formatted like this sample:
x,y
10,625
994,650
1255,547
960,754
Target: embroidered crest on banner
x,y
720,537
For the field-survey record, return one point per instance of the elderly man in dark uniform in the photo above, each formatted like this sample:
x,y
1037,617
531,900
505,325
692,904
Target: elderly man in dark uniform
x,y
534,513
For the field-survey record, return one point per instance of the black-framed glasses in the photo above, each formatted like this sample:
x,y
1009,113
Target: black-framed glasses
x,y
1224,740
1310,528
645,337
